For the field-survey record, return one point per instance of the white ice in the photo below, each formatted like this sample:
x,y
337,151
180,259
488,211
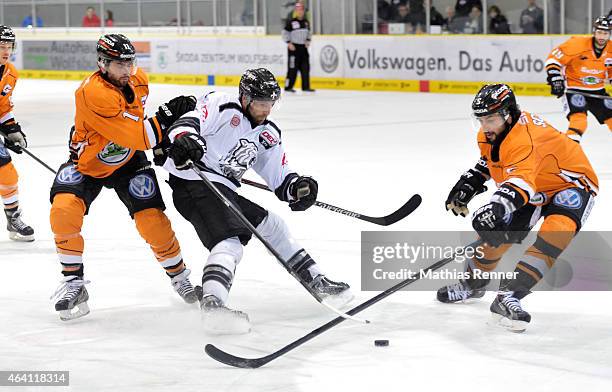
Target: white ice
x,y
369,152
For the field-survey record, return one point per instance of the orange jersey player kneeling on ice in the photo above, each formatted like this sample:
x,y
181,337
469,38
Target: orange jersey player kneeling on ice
x,y
539,172
14,140
583,65
106,150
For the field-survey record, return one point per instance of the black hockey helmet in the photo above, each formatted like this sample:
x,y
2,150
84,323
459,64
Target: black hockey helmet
x,y
259,84
495,98
115,47
602,23
7,35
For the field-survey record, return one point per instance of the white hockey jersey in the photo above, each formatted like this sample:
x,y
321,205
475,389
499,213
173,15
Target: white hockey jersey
x,y
233,144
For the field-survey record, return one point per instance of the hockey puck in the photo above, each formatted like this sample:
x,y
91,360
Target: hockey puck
x,y
381,343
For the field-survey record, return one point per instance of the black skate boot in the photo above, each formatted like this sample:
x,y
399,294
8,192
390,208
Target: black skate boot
x,y
461,291
336,294
74,297
507,312
18,230
183,287
218,319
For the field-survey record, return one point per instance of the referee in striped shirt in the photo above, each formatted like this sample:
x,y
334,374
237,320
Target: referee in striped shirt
x,y
297,36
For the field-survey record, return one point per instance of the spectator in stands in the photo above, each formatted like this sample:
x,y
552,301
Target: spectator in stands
x,y
405,14
109,21
498,24
384,10
474,24
452,24
28,21
532,19
402,14
435,17
464,8
91,19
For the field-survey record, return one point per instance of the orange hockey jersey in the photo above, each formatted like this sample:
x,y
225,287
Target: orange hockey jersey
x,y
109,129
535,157
582,68
8,80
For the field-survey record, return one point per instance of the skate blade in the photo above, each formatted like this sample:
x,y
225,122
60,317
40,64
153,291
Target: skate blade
x,y
78,311
225,322
20,238
516,326
340,300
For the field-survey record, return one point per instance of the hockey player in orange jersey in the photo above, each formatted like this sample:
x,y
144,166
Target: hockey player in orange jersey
x,y
538,172
106,150
583,64
15,140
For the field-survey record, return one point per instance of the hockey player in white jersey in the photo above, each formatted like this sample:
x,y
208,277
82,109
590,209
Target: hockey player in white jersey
x,y
226,135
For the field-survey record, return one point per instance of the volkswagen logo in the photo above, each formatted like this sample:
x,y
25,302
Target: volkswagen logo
x,y
569,198
142,187
69,176
329,59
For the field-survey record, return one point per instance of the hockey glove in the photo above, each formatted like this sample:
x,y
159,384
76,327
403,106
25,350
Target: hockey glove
x,y
187,146
169,112
15,139
304,192
557,85
160,152
488,221
469,185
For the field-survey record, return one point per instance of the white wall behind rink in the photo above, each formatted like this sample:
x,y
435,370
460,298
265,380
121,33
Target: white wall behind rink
x,y
518,59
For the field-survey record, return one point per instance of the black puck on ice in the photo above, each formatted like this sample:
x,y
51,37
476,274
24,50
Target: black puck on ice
x,y
381,343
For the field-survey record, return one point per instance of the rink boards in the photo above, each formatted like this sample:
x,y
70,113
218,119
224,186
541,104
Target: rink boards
x,y
435,63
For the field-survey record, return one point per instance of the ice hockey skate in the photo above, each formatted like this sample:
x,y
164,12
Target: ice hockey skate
x,y
459,292
17,229
183,287
218,319
507,312
73,301
335,294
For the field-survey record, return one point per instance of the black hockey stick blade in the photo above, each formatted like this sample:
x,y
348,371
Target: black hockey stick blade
x,y
231,360
251,363
401,213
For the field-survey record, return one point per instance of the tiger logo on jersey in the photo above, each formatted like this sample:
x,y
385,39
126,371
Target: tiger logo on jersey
x,y
239,159
113,154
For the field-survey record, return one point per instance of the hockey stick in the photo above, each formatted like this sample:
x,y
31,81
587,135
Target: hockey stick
x,y
265,242
390,219
597,96
232,360
30,154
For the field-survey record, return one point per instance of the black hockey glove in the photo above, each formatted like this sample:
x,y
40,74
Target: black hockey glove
x,y
469,185
488,221
169,112
160,152
557,84
15,139
304,192
187,146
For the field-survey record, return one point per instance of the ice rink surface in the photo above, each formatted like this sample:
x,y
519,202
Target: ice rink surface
x,y
369,151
